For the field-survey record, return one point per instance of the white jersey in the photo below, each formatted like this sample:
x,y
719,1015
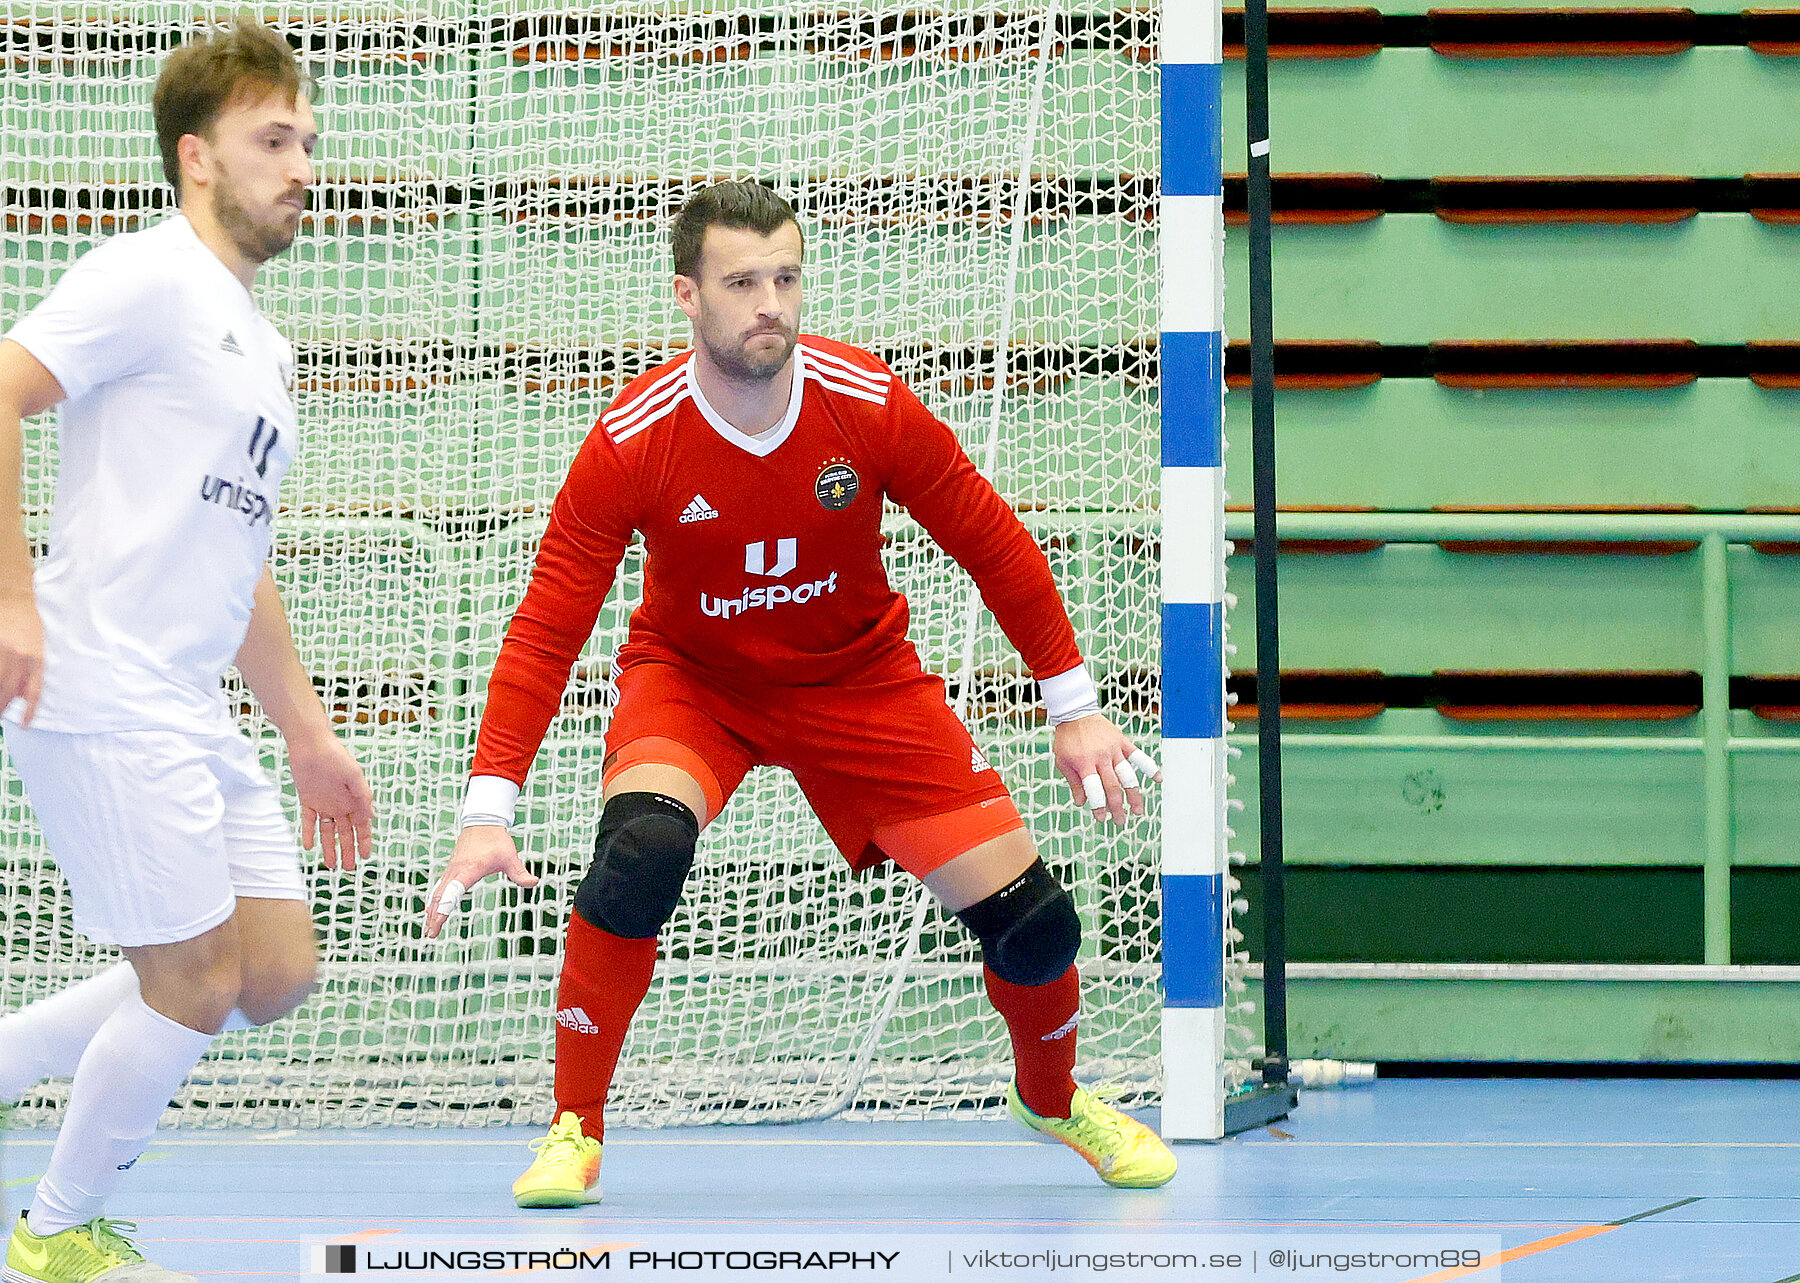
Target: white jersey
x,y
176,431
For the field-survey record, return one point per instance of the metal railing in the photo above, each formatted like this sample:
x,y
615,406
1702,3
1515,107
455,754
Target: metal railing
x,y
1715,742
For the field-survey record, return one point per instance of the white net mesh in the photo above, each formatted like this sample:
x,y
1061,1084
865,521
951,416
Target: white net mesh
x,y
484,267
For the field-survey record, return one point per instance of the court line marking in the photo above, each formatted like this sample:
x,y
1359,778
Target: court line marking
x,y
18,1181
217,1142
425,1224
1536,1144
1548,1244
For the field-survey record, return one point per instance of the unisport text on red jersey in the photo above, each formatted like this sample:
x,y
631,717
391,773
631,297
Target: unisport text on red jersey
x,y
768,598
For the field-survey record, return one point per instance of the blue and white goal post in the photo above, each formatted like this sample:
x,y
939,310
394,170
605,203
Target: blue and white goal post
x,y
1192,355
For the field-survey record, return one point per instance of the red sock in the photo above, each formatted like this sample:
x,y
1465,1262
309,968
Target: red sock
x,y
604,978
1041,1020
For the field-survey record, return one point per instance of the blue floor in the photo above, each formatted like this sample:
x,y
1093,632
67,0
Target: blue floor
x,y
1544,1166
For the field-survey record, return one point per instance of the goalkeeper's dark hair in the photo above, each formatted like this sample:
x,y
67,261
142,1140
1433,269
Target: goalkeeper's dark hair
x,y
745,204
209,73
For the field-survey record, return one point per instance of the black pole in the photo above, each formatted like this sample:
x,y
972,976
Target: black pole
x,y
1268,639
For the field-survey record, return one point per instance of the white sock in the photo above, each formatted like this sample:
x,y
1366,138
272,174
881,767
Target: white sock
x,y
46,1039
135,1064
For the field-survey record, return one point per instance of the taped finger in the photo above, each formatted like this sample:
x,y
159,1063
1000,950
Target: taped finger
x,y
1095,790
451,901
1127,777
1144,764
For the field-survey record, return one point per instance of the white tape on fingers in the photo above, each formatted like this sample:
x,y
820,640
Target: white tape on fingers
x,y
1096,792
451,901
1143,764
1127,777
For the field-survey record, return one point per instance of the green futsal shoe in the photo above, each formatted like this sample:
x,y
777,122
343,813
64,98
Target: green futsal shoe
x,y
97,1250
1127,1154
566,1172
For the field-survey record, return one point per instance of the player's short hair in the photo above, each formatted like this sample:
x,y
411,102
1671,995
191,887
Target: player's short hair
x,y
208,73
745,204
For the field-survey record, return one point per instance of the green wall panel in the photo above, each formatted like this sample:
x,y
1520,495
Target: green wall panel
x,y
1423,6
387,281
1410,113
1498,914
795,113
1411,444
1675,1022
586,280
1414,278
1414,608
1390,806
367,601
1765,599
101,124
394,119
483,446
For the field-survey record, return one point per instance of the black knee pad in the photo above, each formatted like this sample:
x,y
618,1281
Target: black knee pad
x,y
642,855
1028,929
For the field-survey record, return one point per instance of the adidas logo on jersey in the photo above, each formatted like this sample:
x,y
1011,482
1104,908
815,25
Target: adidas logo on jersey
x,y
697,510
230,344
576,1019
978,761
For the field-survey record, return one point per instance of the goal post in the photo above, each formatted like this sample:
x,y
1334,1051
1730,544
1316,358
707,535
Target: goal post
x,y
1196,898
483,267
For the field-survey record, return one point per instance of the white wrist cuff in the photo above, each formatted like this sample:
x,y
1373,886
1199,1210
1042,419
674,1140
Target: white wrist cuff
x,y
489,799
1070,695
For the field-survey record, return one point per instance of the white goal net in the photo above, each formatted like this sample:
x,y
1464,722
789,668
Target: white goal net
x,y
485,265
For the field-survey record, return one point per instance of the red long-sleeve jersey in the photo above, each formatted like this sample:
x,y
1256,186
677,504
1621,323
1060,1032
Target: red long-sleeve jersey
x,y
763,553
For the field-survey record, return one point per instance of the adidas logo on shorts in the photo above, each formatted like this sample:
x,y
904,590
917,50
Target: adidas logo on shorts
x,y
230,344
576,1019
978,761
697,510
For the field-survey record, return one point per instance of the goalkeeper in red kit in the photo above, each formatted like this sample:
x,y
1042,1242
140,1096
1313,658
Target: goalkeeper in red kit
x,y
755,466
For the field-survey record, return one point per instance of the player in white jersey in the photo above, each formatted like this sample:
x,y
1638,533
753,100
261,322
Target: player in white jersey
x,y
176,426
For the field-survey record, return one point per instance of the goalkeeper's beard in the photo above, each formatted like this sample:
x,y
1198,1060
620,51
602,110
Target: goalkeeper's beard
x,y
738,366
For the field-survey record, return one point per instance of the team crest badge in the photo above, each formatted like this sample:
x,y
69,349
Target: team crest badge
x,y
837,485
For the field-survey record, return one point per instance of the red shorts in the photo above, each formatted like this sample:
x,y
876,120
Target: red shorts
x,y
887,767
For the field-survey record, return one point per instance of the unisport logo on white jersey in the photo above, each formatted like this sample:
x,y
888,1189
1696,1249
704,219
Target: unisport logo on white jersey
x,y
787,557
239,496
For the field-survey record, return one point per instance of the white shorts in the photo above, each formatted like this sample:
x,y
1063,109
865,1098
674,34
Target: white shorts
x,y
157,832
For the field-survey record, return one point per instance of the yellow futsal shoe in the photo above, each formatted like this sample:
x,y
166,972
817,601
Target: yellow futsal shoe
x,y
567,1170
97,1250
1127,1154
